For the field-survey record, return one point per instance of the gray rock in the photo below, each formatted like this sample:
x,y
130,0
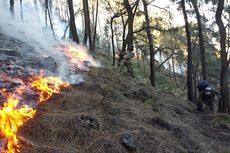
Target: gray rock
x,y
89,122
128,142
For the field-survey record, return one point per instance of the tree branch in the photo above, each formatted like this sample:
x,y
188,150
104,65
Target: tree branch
x,y
151,27
165,61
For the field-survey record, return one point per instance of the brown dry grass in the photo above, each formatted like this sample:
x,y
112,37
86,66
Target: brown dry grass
x,y
159,122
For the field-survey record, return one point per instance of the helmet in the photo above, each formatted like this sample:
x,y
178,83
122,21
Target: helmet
x,y
208,89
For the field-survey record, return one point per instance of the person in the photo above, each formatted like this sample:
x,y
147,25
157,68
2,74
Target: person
x,y
128,56
206,95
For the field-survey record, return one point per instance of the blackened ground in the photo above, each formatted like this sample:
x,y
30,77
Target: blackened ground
x,y
17,58
94,116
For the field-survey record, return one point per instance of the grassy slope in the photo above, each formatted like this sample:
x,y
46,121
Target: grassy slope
x,y
159,122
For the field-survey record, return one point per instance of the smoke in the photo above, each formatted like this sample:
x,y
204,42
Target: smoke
x,y
32,31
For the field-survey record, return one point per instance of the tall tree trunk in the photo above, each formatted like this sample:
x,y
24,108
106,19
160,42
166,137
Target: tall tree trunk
x,y
87,25
129,37
112,39
21,9
224,102
46,12
73,30
131,15
150,41
189,58
201,40
12,8
50,4
51,24
116,15
95,27
173,45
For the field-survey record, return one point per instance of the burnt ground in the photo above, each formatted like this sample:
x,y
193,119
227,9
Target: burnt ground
x,y
97,115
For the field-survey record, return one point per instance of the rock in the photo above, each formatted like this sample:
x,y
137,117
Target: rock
x,y
128,142
89,122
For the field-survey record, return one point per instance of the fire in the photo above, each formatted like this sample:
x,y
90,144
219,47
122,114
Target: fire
x,y
47,86
12,115
79,57
11,119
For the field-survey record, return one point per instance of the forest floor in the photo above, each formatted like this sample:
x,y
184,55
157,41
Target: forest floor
x,y
98,115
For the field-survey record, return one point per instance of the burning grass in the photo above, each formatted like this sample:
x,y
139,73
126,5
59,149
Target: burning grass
x,y
15,112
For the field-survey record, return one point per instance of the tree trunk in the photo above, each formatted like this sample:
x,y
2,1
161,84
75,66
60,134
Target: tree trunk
x,y
131,14
12,8
173,45
87,25
150,41
46,12
129,37
21,10
189,57
95,28
51,24
224,102
112,39
201,40
73,30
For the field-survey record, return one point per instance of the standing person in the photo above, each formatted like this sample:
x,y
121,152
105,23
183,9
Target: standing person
x,y
129,54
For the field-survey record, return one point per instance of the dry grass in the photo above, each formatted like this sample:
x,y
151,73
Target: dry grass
x,y
158,122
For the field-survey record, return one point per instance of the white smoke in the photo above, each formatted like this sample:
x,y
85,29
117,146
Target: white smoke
x,y
33,32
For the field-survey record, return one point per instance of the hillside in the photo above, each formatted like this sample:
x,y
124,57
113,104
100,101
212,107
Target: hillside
x,y
95,115
111,113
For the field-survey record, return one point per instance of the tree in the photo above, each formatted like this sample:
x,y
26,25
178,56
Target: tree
x,y
73,31
224,101
12,7
128,39
87,34
201,39
21,10
95,27
150,41
131,15
189,57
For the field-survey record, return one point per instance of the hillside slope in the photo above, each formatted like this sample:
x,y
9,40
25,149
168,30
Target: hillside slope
x,y
97,116
94,116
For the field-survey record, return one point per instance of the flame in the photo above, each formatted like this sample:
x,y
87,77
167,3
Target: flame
x,y
12,115
11,119
47,86
79,57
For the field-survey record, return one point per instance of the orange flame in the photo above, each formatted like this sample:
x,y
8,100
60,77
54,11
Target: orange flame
x,y
47,86
13,116
11,119
78,55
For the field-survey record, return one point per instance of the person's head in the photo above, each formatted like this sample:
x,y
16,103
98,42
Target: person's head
x,y
130,47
